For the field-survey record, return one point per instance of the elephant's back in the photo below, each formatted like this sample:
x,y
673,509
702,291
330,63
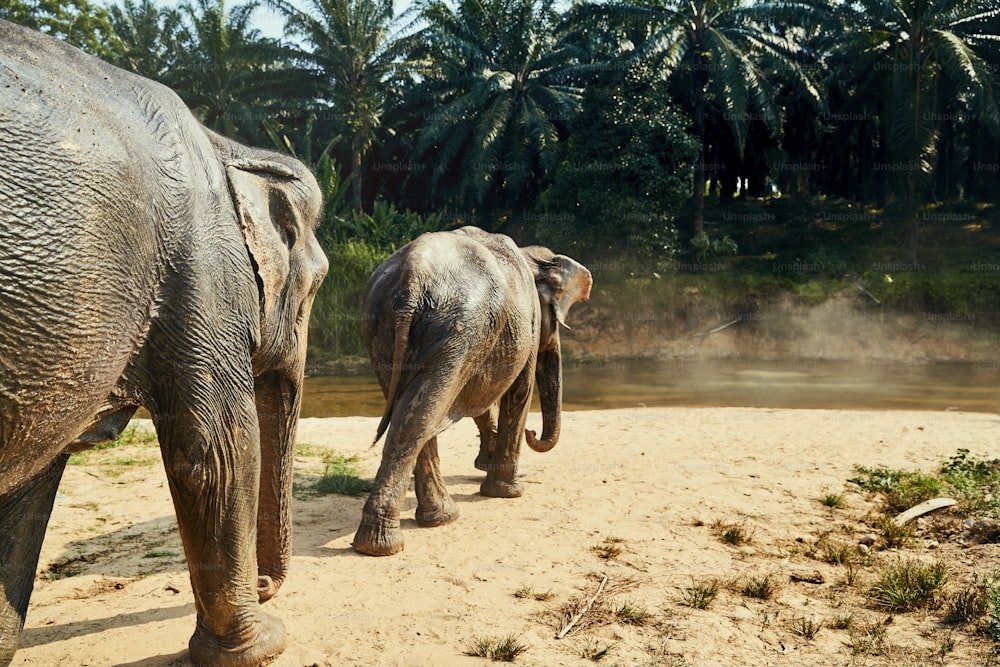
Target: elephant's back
x,y
469,307
78,239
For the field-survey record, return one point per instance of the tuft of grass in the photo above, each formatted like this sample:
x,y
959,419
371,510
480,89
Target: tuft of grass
x,y
843,621
759,587
991,622
593,650
526,592
502,649
607,550
700,594
837,553
973,483
806,628
834,501
868,638
132,436
895,537
902,488
159,554
909,584
853,575
631,613
341,475
969,603
732,533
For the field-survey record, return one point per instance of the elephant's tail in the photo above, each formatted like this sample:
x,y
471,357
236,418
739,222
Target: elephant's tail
x,y
403,320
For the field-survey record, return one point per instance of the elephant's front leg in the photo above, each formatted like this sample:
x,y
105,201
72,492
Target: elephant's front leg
x,y
24,515
501,476
211,453
434,506
487,425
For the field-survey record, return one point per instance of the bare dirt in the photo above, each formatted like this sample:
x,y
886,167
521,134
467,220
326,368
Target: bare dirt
x,y
647,488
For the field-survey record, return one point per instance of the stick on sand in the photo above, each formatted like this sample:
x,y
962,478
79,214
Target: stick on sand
x,y
562,633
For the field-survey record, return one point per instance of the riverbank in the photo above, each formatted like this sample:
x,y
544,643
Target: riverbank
x,y
629,494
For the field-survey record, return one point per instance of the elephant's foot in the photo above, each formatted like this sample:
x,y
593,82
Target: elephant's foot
x,y
495,488
259,645
378,538
439,515
482,463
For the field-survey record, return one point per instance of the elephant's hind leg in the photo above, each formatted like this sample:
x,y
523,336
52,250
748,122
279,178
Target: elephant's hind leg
x,y
23,517
434,506
379,533
487,425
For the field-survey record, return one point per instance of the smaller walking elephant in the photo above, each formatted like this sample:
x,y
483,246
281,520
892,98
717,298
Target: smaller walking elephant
x,y
461,324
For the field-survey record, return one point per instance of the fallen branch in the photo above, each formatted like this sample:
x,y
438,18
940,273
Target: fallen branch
x,y
866,292
586,608
923,508
715,330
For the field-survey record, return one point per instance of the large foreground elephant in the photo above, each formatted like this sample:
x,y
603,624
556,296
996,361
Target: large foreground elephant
x,y
461,324
145,261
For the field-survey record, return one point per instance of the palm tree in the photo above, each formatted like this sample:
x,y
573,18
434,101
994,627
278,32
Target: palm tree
x,y
494,95
928,57
146,38
234,80
79,22
719,54
345,45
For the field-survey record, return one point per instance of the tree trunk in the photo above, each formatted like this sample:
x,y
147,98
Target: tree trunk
x,y
356,176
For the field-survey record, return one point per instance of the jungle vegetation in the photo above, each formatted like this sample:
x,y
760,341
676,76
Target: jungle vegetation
x,y
655,136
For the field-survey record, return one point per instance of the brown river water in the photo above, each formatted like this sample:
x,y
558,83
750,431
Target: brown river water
x,y
973,387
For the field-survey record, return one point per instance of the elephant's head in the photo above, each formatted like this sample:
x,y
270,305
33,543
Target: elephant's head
x,y
278,204
561,281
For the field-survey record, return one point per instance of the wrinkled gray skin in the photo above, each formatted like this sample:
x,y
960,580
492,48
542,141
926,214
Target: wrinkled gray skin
x,y
461,324
147,261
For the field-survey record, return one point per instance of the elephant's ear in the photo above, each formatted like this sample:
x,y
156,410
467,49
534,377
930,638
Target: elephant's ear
x,y
267,219
561,281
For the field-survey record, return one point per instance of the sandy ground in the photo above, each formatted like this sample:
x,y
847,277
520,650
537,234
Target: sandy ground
x,y
113,589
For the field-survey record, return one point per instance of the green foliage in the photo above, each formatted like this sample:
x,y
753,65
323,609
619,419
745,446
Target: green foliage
x,y
132,436
494,94
80,22
759,587
626,169
868,638
991,595
704,248
631,613
355,244
148,39
232,77
964,296
700,594
834,501
973,482
341,476
902,489
807,628
335,324
593,650
909,584
347,42
735,534
976,483
972,601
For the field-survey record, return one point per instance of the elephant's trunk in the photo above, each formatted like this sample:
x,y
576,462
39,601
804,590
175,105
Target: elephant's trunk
x,y
548,375
278,402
